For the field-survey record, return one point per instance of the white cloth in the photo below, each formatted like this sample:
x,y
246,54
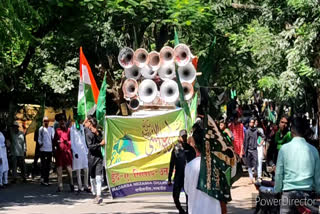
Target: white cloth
x,y
85,178
3,178
79,148
45,138
198,201
315,132
260,149
99,184
260,160
3,154
93,186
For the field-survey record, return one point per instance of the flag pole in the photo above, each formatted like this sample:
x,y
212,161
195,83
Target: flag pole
x,y
85,102
81,79
183,103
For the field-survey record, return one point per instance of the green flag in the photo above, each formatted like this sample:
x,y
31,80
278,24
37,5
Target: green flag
x,y
183,103
233,94
193,104
176,38
220,166
271,116
101,105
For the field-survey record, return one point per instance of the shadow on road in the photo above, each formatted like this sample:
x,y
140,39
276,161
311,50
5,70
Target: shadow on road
x,y
33,193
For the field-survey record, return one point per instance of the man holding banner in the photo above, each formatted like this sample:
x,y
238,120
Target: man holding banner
x,y
181,154
95,159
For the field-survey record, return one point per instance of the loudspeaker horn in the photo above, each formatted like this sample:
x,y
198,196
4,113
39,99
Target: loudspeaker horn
x,y
130,88
125,57
133,72
147,91
148,73
140,57
166,55
187,90
169,91
134,104
167,71
187,73
182,54
154,60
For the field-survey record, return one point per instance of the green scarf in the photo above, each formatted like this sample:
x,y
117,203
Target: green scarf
x,y
282,140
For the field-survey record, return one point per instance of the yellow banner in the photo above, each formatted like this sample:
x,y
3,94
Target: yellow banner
x,y
138,152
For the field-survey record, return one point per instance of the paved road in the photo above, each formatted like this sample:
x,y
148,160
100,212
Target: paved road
x,y
32,198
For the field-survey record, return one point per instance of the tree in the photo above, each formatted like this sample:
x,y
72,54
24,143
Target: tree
x,y
265,45
284,45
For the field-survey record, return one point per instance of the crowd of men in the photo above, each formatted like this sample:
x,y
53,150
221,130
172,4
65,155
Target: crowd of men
x,y
74,147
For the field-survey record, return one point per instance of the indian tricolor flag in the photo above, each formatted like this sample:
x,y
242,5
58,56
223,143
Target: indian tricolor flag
x,y
88,90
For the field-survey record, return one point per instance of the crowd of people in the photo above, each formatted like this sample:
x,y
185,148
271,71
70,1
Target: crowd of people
x,y
74,147
289,149
257,141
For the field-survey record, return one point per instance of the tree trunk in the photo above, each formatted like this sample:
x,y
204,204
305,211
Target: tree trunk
x,y
11,112
162,37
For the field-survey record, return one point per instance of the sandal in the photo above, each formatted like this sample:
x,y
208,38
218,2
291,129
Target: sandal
x,y
99,200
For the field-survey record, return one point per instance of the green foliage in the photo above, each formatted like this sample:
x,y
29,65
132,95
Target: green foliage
x,y
60,80
268,45
302,6
283,44
268,83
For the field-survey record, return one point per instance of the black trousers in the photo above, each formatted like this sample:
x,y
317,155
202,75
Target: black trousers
x,y
35,168
18,161
252,159
95,166
176,198
45,165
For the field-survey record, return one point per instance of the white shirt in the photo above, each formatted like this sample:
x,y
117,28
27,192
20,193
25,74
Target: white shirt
x,y
45,138
79,148
2,140
198,201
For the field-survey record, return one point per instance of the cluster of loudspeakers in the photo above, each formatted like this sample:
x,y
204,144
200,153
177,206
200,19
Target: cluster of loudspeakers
x,y
151,77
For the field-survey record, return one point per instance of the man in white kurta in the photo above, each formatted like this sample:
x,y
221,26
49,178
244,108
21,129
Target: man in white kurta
x,y
198,201
80,154
4,168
